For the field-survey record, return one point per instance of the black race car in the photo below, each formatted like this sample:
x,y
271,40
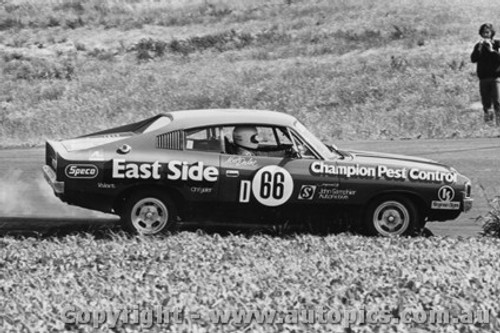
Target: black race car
x,y
247,166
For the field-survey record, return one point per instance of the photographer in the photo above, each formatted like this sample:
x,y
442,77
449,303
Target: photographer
x,y
486,55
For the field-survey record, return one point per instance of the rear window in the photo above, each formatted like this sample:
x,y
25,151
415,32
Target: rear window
x,y
158,123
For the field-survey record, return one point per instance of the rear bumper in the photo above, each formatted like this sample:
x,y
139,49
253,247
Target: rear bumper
x,y
50,176
468,204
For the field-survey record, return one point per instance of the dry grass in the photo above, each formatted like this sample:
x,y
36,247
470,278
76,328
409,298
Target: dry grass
x,y
350,70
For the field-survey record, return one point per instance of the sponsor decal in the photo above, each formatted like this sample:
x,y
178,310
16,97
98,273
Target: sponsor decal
x,y
201,190
445,194
242,161
245,189
173,170
177,170
453,205
106,186
97,155
335,194
307,192
320,168
272,186
433,176
124,170
85,171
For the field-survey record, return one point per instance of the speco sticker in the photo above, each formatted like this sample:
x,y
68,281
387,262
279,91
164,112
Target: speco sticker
x,y
272,186
86,171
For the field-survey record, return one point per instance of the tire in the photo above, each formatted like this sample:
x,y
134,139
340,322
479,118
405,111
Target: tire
x,y
392,216
148,213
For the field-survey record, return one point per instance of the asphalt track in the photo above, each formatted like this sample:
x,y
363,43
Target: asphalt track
x,y
27,204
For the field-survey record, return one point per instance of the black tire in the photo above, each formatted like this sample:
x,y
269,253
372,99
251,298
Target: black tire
x,y
392,216
148,213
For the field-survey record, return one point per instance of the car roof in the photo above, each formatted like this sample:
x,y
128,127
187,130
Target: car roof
x,y
212,117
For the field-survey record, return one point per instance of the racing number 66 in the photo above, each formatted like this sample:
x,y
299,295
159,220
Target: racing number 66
x,y
272,185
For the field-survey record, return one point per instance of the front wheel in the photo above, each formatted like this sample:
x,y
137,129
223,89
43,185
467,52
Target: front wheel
x,y
392,216
148,213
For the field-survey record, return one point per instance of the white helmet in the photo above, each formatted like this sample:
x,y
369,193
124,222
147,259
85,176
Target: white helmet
x,y
246,137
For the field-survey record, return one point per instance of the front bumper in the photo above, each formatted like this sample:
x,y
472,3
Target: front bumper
x,y
468,204
50,176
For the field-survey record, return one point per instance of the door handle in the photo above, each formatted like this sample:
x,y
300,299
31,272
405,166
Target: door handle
x,y
232,173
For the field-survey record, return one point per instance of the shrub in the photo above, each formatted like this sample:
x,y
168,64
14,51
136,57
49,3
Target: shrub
x,y
53,22
80,46
491,220
148,48
27,68
102,54
7,23
180,46
76,6
222,41
52,92
273,35
74,22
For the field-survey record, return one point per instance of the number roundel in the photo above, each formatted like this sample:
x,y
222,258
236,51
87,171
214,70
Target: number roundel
x,y
272,185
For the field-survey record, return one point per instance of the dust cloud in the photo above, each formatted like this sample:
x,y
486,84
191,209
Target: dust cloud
x,y
24,194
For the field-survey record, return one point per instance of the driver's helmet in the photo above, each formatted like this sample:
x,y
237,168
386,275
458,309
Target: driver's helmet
x,y
246,137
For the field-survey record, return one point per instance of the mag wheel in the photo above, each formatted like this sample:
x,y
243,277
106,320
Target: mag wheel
x,y
148,213
392,216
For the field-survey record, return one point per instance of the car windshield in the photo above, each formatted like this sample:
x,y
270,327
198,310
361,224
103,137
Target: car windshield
x,y
316,143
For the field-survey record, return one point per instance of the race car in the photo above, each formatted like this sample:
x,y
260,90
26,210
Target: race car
x,y
247,167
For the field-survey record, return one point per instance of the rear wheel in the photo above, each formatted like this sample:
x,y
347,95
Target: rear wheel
x,y
392,216
148,213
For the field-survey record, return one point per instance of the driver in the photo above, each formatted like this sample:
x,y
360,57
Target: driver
x,y
246,139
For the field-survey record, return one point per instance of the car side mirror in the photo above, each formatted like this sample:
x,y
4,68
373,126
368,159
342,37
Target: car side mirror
x,y
332,147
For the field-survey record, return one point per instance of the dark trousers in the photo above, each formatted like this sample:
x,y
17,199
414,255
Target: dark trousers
x,y
490,94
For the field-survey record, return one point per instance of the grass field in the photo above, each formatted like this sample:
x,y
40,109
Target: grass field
x,y
200,273
349,69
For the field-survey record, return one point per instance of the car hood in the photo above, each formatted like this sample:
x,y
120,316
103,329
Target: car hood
x,y
359,156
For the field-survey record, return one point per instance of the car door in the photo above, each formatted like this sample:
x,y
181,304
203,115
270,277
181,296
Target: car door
x,y
270,178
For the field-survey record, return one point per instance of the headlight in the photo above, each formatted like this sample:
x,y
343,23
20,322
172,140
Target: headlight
x,y
53,162
467,190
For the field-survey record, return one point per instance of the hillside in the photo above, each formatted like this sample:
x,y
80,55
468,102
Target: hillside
x,y
348,69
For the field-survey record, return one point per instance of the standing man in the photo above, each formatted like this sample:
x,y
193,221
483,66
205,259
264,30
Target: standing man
x,y
487,57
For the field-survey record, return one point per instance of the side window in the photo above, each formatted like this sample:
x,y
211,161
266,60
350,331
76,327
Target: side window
x,y
305,151
283,137
203,139
256,140
267,139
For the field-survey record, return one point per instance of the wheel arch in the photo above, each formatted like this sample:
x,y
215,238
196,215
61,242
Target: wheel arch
x,y
417,199
174,194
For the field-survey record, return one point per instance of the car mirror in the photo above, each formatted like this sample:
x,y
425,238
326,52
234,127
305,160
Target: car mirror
x,y
332,147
